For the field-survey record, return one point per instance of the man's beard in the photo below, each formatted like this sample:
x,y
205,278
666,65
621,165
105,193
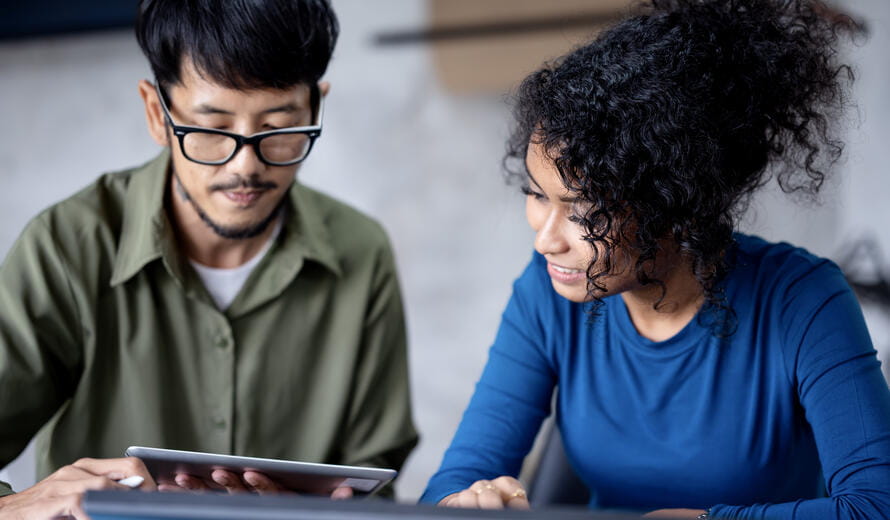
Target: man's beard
x,y
230,232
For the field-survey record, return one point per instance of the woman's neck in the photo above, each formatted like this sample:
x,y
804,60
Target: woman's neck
x,y
661,320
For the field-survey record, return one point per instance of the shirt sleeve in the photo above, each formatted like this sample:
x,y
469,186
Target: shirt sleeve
x,y
511,399
381,430
831,362
39,327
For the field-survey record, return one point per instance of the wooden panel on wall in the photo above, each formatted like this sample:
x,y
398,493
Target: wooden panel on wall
x,y
490,45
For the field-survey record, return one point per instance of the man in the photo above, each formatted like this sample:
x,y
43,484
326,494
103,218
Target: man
x,y
205,300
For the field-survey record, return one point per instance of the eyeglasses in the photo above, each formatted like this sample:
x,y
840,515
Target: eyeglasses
x,y
281,147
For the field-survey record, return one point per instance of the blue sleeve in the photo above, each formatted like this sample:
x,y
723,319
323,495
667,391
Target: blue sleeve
x,y
832,364
511,400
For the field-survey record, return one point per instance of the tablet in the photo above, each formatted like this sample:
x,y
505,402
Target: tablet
x,y
302,477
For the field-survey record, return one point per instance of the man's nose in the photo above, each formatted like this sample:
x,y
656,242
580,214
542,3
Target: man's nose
x,y
246,161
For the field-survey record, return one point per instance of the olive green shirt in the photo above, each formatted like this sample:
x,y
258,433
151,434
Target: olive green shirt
x,y
109,339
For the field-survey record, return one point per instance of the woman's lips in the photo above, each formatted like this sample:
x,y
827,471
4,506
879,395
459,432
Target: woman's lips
x,y
565,275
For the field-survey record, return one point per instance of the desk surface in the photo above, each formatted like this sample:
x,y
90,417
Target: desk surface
x,y
134,505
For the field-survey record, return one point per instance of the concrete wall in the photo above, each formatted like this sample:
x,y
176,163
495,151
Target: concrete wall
x,y
424,162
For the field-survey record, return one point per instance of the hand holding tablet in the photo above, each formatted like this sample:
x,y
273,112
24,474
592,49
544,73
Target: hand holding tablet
x,y
197,470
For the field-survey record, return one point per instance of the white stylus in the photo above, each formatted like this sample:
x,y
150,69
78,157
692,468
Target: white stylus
x,y
134,482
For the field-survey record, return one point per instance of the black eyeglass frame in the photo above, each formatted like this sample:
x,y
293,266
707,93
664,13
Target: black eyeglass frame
x,y
311,131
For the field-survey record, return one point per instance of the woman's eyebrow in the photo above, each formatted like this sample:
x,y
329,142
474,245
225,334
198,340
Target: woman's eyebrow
x,y
566,199
528,173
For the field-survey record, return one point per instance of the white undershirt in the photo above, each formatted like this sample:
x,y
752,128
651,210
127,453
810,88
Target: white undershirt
x,y
224,284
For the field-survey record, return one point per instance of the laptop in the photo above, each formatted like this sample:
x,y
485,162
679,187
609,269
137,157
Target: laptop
x,y
137,505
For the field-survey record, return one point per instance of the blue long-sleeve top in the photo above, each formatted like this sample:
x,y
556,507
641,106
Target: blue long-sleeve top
x,y
738,424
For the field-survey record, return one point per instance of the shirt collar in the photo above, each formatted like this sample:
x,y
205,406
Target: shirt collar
x,y
147,234
306,231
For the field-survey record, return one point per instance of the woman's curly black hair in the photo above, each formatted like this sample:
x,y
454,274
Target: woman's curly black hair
x,y
669,121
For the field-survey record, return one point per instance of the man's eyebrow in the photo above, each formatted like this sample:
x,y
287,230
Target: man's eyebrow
x,y
204,108
287,108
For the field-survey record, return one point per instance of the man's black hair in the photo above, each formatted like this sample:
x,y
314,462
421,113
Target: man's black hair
x,y
239,44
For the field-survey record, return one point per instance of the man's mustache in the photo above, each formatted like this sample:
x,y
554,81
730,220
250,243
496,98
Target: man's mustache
x,y
252,183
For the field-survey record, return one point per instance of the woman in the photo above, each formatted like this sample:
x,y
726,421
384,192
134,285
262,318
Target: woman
x,y
702,373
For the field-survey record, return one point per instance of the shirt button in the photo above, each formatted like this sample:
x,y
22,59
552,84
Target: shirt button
x,y
219,422
222,342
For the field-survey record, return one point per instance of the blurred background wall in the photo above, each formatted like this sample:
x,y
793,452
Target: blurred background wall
x,y
414,136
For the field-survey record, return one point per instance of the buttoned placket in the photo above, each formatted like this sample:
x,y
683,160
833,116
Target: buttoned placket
x,y
220,400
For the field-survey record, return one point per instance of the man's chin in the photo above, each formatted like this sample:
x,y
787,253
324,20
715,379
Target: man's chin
x,y
238,230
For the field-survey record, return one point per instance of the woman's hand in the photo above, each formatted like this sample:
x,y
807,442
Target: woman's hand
x,y
490,494
690,514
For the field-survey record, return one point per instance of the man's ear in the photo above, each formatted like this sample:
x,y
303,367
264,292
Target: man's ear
x,y
324,87
154,114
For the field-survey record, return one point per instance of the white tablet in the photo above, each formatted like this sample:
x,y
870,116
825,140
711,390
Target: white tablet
x,y
302,477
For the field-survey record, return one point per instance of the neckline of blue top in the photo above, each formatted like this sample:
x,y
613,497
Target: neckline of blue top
x,y
689,337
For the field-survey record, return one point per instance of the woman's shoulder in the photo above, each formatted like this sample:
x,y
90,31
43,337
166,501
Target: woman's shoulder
x,y
782,268
754,250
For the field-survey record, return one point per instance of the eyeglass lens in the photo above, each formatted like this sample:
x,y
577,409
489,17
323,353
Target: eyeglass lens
x,y
279,148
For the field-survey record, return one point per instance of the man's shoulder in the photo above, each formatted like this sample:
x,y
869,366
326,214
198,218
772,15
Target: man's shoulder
x,y
87,224
99,204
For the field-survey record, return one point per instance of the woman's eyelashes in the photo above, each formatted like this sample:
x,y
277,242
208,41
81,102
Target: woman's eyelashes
x,y
574,214
529,192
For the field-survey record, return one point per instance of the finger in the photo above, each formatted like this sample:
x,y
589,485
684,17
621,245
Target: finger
x,y
468,499
71,472
262,484
487,495
171,488
117,469
99,483
512,492
190,483
519,502
489,499
452,500
228,480
78,481
342,493
137,468
69,493
674,513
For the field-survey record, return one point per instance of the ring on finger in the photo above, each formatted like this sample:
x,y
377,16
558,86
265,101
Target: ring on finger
x,y
480,490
